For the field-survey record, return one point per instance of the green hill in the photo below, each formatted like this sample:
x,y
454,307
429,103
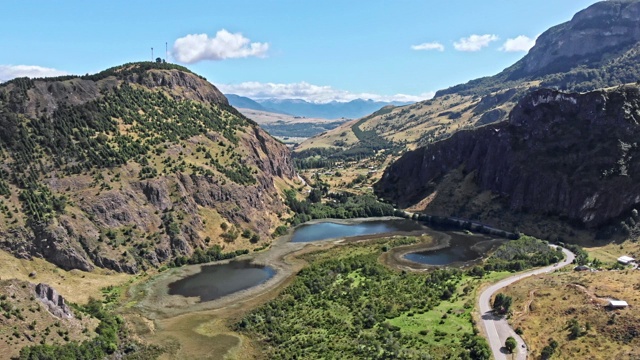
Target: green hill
x,y
132,167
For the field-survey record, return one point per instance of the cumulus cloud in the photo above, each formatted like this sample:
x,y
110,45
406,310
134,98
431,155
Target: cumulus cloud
x,y
311,93
519,43
8,72
225,45
474,42
428,46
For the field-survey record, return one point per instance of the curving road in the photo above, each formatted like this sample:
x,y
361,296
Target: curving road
x,y
496,328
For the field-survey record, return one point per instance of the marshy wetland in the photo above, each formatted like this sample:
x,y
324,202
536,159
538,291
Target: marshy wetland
x,y
197,296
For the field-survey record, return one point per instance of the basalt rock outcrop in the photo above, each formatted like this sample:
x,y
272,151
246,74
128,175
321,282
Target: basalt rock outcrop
x,y
568,155
55,302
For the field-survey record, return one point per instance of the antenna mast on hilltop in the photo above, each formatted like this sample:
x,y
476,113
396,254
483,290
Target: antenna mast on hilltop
x,y
151,54
166,51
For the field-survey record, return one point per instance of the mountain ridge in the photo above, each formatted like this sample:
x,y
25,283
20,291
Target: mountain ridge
x,y
599,47
571,156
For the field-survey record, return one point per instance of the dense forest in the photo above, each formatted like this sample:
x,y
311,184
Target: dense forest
x,y
126,124
340,206
342,305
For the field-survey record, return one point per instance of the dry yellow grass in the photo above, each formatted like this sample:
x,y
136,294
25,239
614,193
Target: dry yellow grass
x,y
609,253
416,124
329,139
544,305
34,323
75,285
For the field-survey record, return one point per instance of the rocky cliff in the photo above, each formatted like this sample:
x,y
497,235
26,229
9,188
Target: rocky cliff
x,y
131,168
590,37
54,301
598,47
567,155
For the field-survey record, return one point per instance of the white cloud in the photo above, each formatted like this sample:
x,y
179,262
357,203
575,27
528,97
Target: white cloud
x,y
310,92
8,72
428,46
474,42
519,43
225,45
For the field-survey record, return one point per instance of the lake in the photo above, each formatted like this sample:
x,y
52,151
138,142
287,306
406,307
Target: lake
x,y
216,281
462,248
330,230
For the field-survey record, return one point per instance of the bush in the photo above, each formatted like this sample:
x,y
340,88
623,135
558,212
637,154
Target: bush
x,y
510,344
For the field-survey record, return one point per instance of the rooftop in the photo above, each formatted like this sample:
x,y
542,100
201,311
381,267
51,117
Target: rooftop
x,y
618,303
625,259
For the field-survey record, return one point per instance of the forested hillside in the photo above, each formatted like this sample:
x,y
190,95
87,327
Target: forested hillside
x,y
132,167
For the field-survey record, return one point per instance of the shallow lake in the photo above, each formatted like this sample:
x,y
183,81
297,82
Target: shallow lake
x,y
216,281
330,230
462,249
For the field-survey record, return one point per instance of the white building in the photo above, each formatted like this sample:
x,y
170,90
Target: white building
x,y
625,260
618,304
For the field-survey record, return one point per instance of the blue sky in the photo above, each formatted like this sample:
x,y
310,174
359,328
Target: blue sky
x,y
316,50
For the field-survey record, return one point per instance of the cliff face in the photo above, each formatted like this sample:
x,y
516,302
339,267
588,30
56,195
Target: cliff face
x,y
592,34
574,156
131,168
54,301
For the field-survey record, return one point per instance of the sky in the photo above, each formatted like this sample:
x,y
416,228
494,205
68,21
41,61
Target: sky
x,y
319,51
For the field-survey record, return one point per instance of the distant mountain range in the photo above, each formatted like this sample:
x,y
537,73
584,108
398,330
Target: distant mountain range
x,y
296,107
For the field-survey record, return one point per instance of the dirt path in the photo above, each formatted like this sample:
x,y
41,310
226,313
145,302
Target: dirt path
x,y
496,329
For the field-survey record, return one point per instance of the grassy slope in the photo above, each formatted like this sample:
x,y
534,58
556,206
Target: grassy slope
x,y
416,124
30,323
544,305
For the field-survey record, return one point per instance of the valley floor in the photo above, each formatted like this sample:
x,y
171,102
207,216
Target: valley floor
x,y
188,328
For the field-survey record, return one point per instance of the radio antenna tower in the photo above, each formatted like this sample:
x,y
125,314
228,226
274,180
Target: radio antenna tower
x,y
166,51
151,54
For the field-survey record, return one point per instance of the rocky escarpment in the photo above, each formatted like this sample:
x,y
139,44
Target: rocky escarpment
x,y
181,85
54,301
568,155
597,48
590,36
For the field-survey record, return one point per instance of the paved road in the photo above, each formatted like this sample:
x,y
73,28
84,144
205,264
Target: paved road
x,y
497,329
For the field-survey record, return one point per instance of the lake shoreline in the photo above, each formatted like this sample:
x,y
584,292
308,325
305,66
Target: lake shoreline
x,y
153,301
158,315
